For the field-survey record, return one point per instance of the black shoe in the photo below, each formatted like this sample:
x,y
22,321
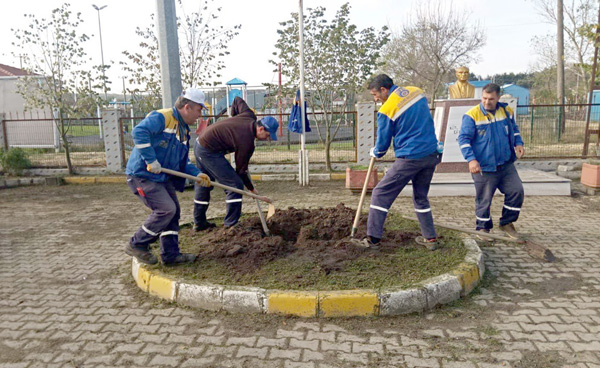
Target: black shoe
x,y
143,256
181,259
205,225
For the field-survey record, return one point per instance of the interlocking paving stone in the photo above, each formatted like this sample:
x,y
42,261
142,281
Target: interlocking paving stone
x,y
65,295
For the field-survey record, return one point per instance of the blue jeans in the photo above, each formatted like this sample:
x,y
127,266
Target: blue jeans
x,y
506,179
216,166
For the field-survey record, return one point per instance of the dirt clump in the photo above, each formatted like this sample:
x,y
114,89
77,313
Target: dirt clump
x,y
321,235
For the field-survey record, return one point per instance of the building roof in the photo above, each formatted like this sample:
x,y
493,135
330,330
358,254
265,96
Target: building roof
x,y
10,71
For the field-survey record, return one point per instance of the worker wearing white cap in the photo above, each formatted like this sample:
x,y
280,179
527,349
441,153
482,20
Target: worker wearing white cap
x,y
162,139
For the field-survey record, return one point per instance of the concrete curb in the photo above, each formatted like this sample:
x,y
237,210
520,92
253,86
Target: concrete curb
x,y
21,182
426,295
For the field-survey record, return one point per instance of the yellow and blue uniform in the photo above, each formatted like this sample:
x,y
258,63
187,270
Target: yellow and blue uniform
x,y
405,119
489,137
162,136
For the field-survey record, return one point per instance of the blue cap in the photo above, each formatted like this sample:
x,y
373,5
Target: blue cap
x,y
271,125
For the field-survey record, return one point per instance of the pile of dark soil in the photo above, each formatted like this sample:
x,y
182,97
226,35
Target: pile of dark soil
x,y
311,248
321,235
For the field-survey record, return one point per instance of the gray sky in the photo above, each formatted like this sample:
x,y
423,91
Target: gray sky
x,y
509,24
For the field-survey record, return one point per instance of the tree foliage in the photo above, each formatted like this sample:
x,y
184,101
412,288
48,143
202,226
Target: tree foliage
x,y
436,40
338,58
202,46
578,15
52,50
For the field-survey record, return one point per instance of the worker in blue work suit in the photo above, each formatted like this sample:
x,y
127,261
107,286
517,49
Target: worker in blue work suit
x,y
404,118
233,135
162,139
490,141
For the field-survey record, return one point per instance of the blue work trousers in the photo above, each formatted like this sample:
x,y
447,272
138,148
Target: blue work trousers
x,y
216,166
420,171
506,179
163,222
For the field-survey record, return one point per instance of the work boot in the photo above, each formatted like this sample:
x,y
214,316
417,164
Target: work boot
x,y
143,256
430,244
181,259
509,229
364,243
482,237
204,226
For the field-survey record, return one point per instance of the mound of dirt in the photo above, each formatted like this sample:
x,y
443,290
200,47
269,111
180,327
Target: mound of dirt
x,y
322,235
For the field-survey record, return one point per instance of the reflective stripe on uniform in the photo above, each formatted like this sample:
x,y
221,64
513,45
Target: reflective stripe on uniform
x,y
465,145
201,202
170,131
379,208
144,145
512,208
233,200
148,231
423,210
165,233
516,134
482,219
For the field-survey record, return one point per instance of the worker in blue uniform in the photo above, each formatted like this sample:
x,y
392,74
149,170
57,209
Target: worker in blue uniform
x,y
405,120
162,140
490,141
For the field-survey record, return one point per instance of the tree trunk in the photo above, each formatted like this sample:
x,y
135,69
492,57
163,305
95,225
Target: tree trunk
x,y
328,153
63,134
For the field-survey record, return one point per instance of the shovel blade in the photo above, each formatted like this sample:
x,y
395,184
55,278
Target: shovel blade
x,y
270,211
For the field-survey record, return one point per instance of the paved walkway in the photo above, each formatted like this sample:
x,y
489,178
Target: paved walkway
x,y
67,299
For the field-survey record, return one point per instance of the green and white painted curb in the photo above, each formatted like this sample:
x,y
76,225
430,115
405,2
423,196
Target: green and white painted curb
x,y
342,303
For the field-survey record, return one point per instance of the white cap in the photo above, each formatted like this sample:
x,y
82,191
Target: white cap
x,y
195,95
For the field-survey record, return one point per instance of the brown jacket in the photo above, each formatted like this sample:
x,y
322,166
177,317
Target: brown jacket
x,y
235,134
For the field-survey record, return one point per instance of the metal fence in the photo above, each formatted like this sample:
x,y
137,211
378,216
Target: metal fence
x,y
285,149
41,140
557,131
542,128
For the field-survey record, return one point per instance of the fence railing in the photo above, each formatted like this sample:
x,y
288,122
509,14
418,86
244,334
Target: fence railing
x,y
285,149
549,131
557,131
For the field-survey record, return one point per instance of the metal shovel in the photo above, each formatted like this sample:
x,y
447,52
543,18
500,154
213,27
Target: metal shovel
x,y
270,212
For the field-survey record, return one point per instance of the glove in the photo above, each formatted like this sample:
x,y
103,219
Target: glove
x,y
154,167
373,152
204,180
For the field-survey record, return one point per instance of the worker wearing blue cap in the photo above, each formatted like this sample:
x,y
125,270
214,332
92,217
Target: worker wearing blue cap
x,y
235,134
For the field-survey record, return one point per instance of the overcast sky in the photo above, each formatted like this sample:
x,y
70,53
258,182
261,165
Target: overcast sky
x,y
509,24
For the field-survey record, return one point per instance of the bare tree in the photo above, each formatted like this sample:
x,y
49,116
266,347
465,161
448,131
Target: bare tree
x,y
53,53
201,54
436,40
338,58
578,16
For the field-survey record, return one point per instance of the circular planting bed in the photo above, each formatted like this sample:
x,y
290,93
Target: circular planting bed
x,y
309,267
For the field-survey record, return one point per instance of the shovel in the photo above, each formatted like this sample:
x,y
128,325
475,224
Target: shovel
x,y
270,212
534,249
261,214
362,198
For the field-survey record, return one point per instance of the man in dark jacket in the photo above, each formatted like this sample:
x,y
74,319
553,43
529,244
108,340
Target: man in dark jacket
x,y
237,135
162,140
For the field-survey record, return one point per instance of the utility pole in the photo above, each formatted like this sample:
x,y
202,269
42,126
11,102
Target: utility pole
x,y
101,49
560,65
168,46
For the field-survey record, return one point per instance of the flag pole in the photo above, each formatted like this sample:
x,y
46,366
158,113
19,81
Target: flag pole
x,y
303,155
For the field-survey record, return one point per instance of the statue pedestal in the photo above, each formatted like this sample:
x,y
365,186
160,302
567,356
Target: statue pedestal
x,y
448,119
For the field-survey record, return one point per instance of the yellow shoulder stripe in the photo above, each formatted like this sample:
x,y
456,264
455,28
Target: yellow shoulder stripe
x,y
398,99
170,121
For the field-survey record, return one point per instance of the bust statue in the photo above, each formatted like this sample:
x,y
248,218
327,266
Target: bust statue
x,y
462,88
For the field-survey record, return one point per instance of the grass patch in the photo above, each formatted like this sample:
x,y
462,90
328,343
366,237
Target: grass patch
x,y
405,266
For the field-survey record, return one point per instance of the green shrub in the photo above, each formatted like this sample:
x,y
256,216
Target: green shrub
x,y
14,161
